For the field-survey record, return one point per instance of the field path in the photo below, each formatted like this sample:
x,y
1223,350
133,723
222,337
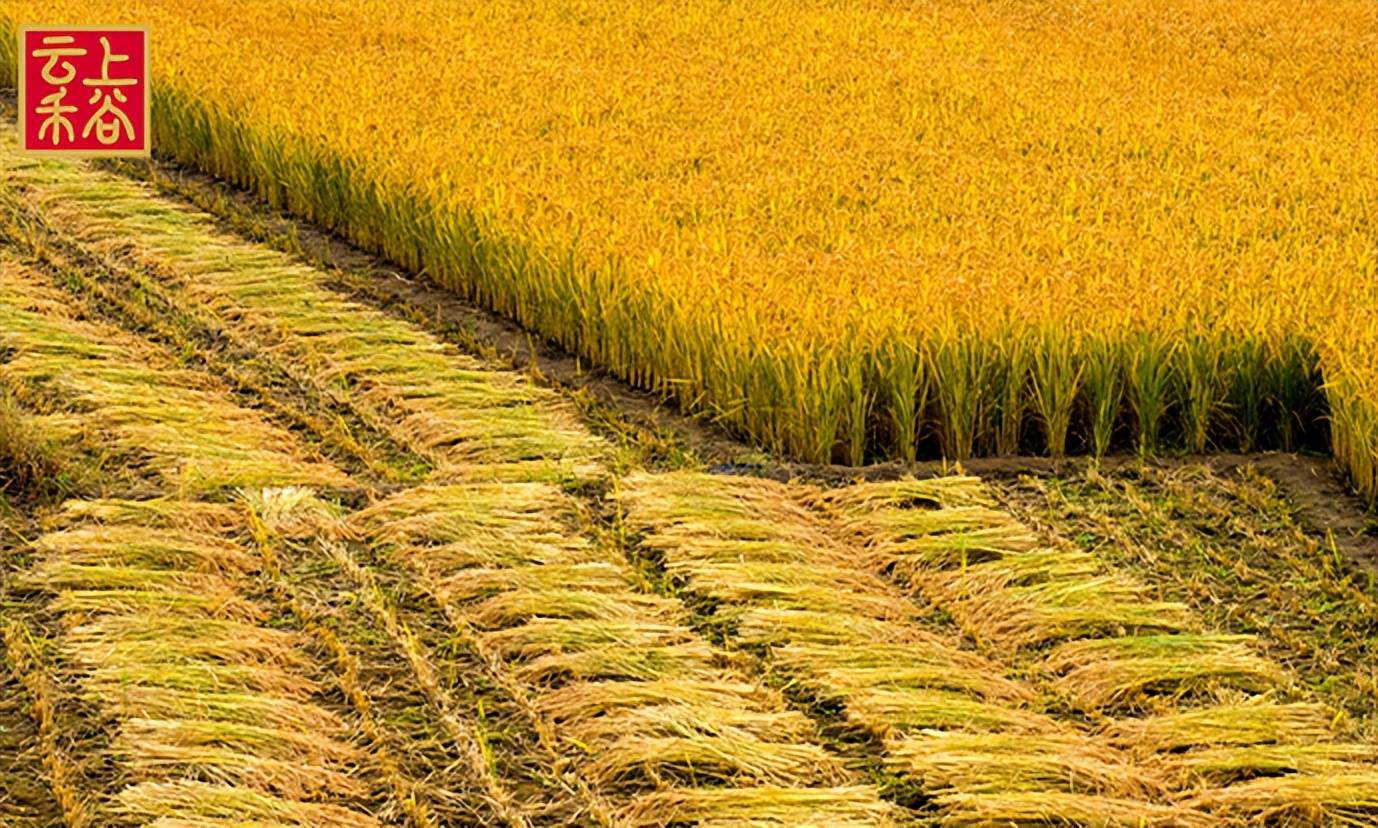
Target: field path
x,y
328,569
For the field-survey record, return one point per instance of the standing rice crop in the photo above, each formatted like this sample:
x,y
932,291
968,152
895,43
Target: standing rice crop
x,y
839,228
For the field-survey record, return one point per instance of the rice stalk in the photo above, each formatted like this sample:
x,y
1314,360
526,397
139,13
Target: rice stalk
x,y
1348,797
1002,763
1061,808
1221,765
1100,673
1259,721
849,807
205,800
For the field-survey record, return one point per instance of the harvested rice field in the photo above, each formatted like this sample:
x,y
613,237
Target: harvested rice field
x,y
302,527
278,552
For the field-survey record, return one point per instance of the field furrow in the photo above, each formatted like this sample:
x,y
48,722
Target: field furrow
x,y
26,797
67,740
516,742
26,800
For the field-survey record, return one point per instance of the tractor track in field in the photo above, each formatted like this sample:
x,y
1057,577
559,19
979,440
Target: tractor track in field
x,y
502,602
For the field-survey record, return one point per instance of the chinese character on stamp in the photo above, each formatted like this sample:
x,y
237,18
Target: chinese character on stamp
x,y
84,90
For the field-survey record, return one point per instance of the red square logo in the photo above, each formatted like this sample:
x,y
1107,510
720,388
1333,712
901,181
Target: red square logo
x,y
83,90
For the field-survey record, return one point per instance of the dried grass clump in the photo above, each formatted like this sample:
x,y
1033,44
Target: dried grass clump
x,y
157,701
1116,672
221,804
33,449
507,524
285,762
882,518
1258,760
847,807
932,664
1221,765
1034,808
586,700
884,709
119,544
718,754
995,763
205,519
946,492
1340,797
1260,721
1040,597
819,587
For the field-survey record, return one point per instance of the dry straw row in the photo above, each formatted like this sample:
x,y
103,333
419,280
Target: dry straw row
x,y
440,403
215,719
944,540
950,718
1211,730
653,718
88,378
292,523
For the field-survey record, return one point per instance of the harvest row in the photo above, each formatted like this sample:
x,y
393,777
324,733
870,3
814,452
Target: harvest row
x,y
561,627
1187,729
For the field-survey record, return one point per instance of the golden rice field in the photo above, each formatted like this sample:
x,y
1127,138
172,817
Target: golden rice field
x,y
285,544
848,230
274,553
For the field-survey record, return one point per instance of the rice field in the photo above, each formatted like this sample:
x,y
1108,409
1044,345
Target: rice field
x,y
277,552
870,230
